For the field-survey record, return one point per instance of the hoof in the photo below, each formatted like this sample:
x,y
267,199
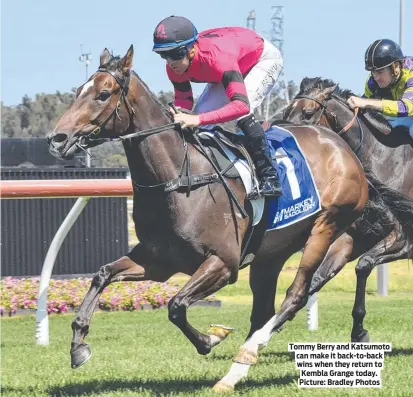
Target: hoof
x,y
204,350
362,338
222,387
80,355
219,333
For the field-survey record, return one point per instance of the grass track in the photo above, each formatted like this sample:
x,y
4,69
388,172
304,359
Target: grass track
x,y
142,354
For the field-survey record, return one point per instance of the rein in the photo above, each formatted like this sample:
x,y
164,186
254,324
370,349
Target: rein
x,y
349,125
185,178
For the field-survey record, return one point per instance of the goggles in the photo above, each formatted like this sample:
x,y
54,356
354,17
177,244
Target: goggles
x,y
176,54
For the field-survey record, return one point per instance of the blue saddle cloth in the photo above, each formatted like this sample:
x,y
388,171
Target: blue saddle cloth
x,y
300,197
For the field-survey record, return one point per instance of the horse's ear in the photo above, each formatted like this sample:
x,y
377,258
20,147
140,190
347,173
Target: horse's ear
x,y
328,91
126,61
105,57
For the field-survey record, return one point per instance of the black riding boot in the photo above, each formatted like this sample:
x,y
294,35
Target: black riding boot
x,y
259,151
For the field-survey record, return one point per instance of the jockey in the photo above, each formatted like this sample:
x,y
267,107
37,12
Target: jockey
x,y
241,69
389,87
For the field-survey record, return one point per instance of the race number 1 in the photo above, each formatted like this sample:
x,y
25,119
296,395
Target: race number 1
x,y
282,158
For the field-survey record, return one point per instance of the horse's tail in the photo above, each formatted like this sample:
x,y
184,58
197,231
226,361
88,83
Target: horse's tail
x,y
399,204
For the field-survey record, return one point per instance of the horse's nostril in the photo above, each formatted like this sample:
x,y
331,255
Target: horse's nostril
x,y
59,138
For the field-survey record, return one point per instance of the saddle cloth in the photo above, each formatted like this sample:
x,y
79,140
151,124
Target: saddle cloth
x,y
300,197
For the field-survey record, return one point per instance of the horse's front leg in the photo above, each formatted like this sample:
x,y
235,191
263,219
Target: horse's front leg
x,y
263,283
123,269
211,276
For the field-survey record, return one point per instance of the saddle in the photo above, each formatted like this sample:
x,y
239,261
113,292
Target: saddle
x,y
212,143
216,139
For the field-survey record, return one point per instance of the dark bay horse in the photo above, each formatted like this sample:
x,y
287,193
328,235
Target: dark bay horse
x,y
321,102
198,230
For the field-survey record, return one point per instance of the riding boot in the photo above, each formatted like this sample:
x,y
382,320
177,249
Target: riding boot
x,y
259,151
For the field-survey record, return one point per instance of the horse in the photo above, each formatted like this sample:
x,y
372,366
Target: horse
x,y
190,218
322,102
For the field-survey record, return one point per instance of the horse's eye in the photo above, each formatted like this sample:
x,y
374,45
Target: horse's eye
x,y
308,114
103,96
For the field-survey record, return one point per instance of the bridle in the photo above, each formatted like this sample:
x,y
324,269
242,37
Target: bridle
x,y
325,111
185,178
86,140
323,106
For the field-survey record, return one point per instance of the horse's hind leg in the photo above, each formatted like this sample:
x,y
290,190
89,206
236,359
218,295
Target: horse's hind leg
x,y
123,269
317,245
337,257
211,276
392,248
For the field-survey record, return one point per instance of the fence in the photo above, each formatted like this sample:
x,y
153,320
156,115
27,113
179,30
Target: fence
x,y
84,189
28,225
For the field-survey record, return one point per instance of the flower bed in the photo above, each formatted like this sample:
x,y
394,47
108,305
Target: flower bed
x,y
64,295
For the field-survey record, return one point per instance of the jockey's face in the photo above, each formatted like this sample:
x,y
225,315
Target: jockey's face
x,y
178,66
179,60
383,77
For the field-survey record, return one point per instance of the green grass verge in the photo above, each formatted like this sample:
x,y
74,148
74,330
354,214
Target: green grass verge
x,y
400,279
142,354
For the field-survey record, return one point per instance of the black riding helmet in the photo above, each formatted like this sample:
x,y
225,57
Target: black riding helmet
x,y
173,36
382,53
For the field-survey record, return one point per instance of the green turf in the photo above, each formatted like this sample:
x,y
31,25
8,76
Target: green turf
x,y
142,354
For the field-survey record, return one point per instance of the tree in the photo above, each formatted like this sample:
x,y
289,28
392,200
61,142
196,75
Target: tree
x,y
35,118
272,107
166,97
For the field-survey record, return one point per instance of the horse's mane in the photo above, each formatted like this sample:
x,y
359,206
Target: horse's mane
x,y
113,66
317,83
154,97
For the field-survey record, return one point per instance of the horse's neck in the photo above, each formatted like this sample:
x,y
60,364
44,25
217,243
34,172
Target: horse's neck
x,y
155,158
370,146
375,149
384,161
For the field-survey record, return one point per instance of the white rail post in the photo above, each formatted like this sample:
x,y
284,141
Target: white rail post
x,y
312,313
42,319
383,279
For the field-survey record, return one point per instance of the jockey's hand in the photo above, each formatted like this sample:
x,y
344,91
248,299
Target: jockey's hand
x,y
187,120
174,109
356,102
